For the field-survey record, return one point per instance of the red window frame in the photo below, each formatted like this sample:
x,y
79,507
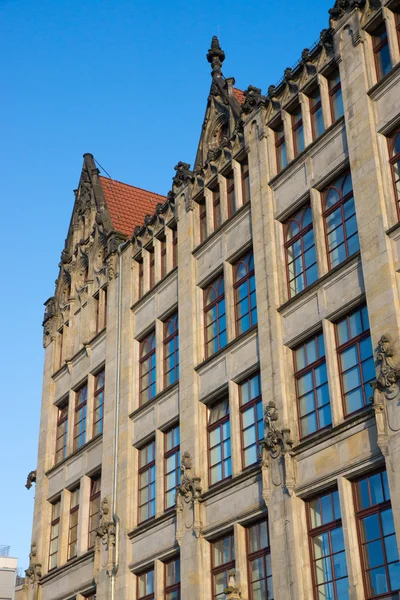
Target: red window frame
x,y
260,554
214,298
313,346
315,107
367,514
356,341
163,243
297,130
230,193
174,247
397,22
148,583
335,88
296,228
172,463
152,267
245,293
217,214
172,589
73,524
98,408
147,368
94,509
245,173
140,277
251,402
338,186
171,350
81,396
326,503
55,523
380,43
62,432
147,481
222,568
222,443
394,161
281,154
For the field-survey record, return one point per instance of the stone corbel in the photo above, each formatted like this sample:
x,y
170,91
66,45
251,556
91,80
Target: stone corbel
x,y
30,479
34,571
188,498
386,398
88,349
106,532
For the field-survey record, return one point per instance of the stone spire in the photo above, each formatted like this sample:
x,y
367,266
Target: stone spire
x,y
215,56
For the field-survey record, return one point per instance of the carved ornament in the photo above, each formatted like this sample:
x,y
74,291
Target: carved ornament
x,y
106,528
188,499
30,479
252,98
183,174
341,7
34,571
232,591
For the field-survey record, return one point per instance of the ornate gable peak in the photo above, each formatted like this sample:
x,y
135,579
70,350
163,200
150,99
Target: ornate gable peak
x,y
215,56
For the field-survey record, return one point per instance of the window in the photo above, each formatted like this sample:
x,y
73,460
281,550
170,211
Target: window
x,y
145,585
98,403
147,482
171,350
340,220
163,244
379,555
62,432
280,147
105,307
301,259
394,153
148,368
54,533
317,118
312,393
141,276
251,417
202,208
356,362
94,509
297,130
259,562
172,579
219,442
383,63
80,417
328,558
217,215
214,316
152,265
244,169
73,523
230,193
245,293
96,299
222,561
61,347
397,21
100,300
335,96
172,464
174,247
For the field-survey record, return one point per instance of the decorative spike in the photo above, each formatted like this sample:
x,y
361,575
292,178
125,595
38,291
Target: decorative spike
x,y
215,56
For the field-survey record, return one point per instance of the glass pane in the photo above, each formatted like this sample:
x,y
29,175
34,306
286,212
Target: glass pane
x,y
354,401
394,576
377,581
375,483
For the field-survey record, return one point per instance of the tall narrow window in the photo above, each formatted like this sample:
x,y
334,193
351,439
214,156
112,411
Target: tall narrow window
x,y
98,403
313,402
219,442
145,585
217,214
335,96
62,432
163,243
61,347
96,299
172,579
105,307
148,368
383,63
244,169
80,417
251,416
172,464
202,209
297,130
356,361
230,192
94,509
259,562
214,316
328,556
280,147
152,266
377,537
141,276
171,350
317,118
73,524
397,21
222,561
340,220
245,293
147,482
394,152
174,247
301,259
54,533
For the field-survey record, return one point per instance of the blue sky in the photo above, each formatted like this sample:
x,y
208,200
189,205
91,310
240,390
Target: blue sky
x,y
128,81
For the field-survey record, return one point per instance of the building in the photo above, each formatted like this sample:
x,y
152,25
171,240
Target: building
x,y
8,573
255,308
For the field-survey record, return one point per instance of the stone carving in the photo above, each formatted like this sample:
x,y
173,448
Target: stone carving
x,y
106,529
34,571
188,494
326,39
388,378
252,98
49,321
30,479
215,56
386,388
341,7
232,591
183,174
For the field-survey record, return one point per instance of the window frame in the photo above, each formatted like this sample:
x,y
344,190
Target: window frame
x,y
377,47
237,284
224,567
174,336
332,94
245,177
60,421
140,263
142,469
313,111
288,243
152,267
217,208
163,256
174,246
98,393
167,454
82,405
257,554
279,140
212,427
296,125
215,283
92,498
72,510
231,192
243,407
146,596
391,140
202,211
54,521
150,339
174,587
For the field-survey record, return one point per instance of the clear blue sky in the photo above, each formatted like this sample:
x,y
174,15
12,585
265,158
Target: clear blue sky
x,y
127,81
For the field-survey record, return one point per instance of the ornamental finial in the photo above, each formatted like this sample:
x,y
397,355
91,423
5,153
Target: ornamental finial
x,y
215,56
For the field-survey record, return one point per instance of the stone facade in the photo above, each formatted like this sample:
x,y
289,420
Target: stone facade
x,y
298,183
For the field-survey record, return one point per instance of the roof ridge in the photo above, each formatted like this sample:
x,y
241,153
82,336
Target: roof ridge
x,y
135,187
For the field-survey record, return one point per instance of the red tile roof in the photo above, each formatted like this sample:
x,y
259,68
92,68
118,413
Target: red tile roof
x,y
239,95
128,205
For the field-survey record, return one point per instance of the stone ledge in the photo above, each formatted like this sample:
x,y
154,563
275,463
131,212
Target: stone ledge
x,y
75,453
151,523
228,346
63,569
154,400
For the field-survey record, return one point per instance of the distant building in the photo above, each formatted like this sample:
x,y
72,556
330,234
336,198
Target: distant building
x,y
8,574
247,312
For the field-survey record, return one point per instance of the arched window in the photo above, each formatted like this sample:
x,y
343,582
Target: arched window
x,y
148,368
245,293
394,149
214,316
301,260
